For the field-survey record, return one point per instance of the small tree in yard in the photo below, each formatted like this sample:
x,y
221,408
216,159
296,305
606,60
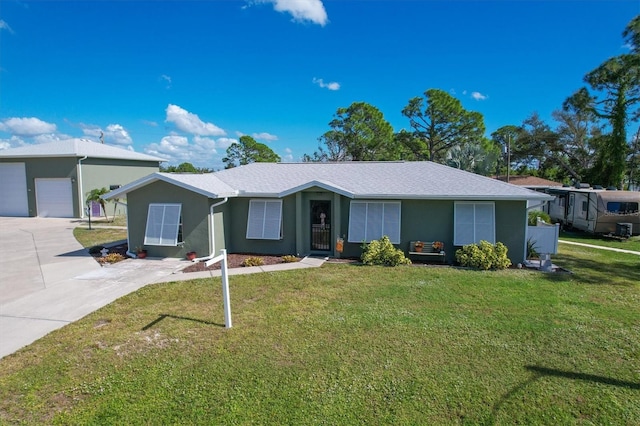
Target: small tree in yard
x,y
96,195
382,252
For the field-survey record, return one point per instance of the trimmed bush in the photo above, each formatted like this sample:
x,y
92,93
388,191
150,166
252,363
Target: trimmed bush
x,y
253,261
382,252
290,259
111,258
484,256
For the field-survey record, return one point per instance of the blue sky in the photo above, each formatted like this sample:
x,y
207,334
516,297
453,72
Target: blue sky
x,y
183,80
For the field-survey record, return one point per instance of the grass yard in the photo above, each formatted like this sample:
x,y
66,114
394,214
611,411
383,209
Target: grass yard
x,y
632,243
98,236
346,344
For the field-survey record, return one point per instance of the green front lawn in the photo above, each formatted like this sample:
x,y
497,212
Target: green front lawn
x,y
346,344
98,236
632,243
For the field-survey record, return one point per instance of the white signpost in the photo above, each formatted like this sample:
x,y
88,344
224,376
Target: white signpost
x,y
225,285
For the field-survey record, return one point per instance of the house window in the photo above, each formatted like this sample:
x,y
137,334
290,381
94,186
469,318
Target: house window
x,y
265,220
474,222
370,220
164,225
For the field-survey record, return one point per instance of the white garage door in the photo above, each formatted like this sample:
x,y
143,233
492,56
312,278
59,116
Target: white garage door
x,y
53,197
13,190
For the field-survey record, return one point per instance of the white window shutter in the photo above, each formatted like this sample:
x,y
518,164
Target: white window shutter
x,y
474,222
371,220
391,224
255,221
272,220
163,223
375,212
463,229
264,221
485,223
357,222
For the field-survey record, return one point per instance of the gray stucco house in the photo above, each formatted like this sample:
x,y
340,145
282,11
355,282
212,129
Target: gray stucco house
x,y
53,179
303,208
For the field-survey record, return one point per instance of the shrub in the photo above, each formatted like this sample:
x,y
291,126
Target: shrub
x,y
290,259
382,252
535,214
253,261
484,256
111,258
532,249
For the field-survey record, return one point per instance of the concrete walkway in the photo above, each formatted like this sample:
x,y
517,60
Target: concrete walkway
x,y
600,247
48,280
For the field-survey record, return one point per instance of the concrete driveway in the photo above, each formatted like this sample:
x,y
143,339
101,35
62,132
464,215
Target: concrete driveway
x,y
47,279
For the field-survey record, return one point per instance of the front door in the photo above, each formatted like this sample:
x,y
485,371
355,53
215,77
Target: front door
x,y
320,225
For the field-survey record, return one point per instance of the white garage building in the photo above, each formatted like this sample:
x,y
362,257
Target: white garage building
x,y
53,179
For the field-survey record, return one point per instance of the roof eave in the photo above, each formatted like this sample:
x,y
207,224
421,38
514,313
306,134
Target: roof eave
x,y
159,177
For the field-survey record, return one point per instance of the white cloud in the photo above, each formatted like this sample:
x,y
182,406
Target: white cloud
x,y
12,142
5,26
166,79
191,123
302,10
205,144
26,126
150,123
225,142
200,151
114,134
264,136
117,134
331,85
478,96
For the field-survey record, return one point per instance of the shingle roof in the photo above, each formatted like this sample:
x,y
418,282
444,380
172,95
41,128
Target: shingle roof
x,y
75,148
364,180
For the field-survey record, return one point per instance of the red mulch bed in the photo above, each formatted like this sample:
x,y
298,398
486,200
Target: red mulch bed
x,y
233,261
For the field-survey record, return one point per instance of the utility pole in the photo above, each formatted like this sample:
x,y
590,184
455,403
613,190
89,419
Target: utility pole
x,y
508,157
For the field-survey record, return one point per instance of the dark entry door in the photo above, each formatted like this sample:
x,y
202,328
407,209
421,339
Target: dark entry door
x,y
321,225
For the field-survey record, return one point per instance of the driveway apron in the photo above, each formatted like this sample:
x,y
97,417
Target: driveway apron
x,y
47,279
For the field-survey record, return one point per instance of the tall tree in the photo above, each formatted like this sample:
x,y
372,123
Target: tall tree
x,y
532,147
503,138
185,168
246,151
631,35
334,149
618,79
574,148
439,123
472,157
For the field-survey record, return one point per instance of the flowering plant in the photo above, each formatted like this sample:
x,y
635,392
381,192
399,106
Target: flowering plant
x,y
419,244
437,245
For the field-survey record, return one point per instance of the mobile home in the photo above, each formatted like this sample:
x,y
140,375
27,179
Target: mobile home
x,y
598,211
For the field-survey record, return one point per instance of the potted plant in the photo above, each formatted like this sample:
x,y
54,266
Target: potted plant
x,y
141,253
418,246
191,255
437,246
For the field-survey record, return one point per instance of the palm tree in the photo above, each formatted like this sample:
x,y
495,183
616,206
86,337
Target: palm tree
x,y
96,195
